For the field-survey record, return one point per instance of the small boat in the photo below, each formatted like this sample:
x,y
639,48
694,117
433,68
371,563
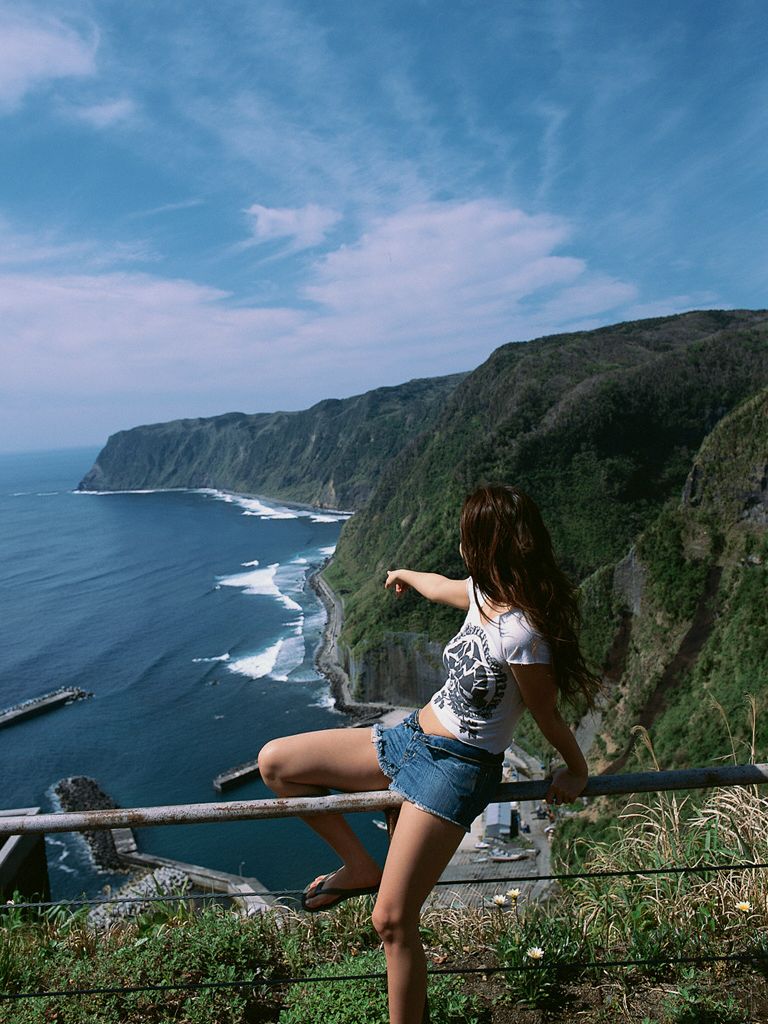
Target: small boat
x,y
379,824
508,856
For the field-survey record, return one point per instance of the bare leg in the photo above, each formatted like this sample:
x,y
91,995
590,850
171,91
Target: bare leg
x,y
310,764
421,847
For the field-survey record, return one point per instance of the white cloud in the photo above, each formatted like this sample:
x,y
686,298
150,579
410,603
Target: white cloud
x,y
444,272
598,295
184,204
34,51
20,249
47,249
102,115
307,225
430,290
129,331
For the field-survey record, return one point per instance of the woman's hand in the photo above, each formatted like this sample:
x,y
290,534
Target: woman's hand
x,y
431,585
395,580
566,786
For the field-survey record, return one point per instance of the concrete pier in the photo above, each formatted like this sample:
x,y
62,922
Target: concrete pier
x,y
248,893
236,776
38,705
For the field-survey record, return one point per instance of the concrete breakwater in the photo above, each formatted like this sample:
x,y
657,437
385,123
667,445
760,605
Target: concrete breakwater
x,y
236,776
38,705
23,863
116,850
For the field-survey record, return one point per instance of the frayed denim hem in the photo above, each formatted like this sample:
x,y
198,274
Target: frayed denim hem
x,y
430,810
389,770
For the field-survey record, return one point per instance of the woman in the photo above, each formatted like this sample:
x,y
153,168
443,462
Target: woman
x,y
517,648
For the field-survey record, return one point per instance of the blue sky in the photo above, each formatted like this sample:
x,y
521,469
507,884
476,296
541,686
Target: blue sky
x,y
235,205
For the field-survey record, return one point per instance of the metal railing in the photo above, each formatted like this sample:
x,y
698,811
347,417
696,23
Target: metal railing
x,y
239,810
285,807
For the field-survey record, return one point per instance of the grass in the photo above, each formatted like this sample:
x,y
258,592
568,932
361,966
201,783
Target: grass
x,y
538,947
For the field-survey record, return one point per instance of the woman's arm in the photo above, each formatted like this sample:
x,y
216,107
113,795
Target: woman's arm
x,y
431,585
539,691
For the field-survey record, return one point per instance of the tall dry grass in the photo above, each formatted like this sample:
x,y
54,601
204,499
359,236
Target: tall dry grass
x,y
719,826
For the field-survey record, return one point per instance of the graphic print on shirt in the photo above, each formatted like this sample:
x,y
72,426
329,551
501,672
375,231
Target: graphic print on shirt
x,y
476,680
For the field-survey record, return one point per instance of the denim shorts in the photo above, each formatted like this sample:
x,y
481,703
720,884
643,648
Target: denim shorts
x,y
442,775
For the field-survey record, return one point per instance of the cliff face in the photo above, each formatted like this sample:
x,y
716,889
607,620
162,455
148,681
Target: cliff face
x,y
330,455
600,428
404,669
695,622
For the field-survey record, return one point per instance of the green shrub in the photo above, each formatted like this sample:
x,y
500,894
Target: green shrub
x,y
545,946
675,580
365,1001
692,1004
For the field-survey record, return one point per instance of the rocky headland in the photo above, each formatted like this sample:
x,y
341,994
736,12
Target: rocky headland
x,y
602,428
330,455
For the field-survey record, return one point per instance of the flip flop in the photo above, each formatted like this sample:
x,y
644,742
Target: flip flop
x,y
343,894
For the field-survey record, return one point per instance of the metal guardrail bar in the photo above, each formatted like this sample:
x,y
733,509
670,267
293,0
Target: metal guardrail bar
x,y
249,810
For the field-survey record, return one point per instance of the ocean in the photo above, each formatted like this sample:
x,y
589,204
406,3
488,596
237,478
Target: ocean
x,y
188,616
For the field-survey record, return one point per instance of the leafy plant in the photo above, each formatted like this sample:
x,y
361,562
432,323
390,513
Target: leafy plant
x,y
365,1001
545,946
692,1004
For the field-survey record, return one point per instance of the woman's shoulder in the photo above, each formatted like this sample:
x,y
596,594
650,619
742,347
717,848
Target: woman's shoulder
x,y
515,621
521,641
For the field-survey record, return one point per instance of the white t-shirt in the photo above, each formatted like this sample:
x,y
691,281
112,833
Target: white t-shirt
x,y
480,701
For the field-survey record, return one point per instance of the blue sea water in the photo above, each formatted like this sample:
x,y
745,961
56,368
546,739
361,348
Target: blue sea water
x,y
188,615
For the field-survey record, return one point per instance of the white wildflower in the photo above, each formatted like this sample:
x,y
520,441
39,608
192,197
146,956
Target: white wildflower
x,y
744,906
535,953
500,900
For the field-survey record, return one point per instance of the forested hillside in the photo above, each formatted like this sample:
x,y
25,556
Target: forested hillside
x,y
599,427
330,455
696,626
680,625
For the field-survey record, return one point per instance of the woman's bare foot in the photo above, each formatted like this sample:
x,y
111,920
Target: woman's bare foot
x,y
345,877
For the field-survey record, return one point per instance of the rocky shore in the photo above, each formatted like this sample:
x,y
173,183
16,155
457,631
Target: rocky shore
x,y
81,793
328,663
138,896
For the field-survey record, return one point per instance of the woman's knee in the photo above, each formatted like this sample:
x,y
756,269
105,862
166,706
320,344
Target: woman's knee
x,y
394,922
271,760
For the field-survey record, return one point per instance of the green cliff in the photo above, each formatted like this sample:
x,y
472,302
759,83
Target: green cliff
x,y
680,626
330,455
599,427
696,625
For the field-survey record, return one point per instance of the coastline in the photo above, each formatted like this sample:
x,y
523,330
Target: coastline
x,y
328,663
326,659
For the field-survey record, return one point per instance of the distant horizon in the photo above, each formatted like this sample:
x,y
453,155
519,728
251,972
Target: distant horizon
x,y
65,449
243,412
261,205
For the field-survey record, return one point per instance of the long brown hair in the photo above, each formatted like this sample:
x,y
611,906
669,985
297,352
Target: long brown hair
x,y
508,552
